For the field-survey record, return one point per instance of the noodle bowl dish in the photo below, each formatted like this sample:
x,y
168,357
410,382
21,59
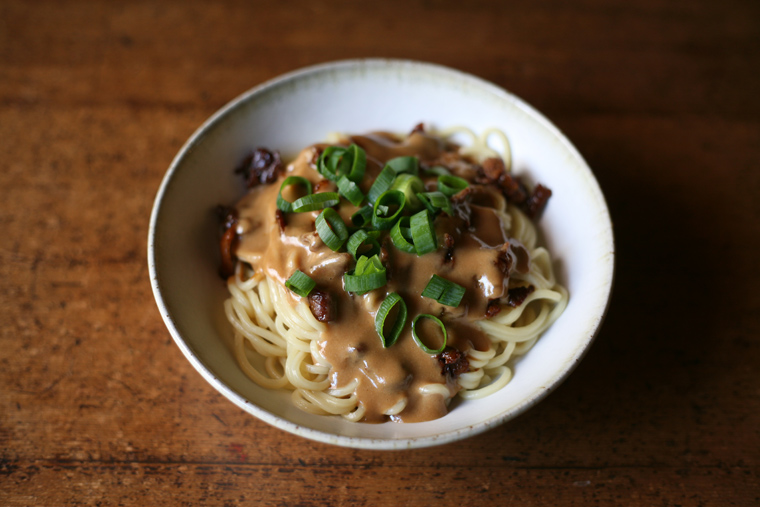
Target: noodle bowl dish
x,y
381,254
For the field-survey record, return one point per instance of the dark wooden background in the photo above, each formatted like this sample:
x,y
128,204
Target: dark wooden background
x,y
97,404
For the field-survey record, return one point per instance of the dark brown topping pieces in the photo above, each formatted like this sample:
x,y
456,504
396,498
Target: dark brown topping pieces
x,y
322,306
279,217
448,242
516,295
535,205
261,167
493,308
228,242
453,362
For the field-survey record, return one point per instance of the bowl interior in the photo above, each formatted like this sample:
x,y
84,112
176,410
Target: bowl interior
x,y
301,108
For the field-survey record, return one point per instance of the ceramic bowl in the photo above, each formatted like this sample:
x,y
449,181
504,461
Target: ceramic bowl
x,y
356,96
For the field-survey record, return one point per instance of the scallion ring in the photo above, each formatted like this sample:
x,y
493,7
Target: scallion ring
x,y
382,183
282,203
401,235
358,163
350,190
419,341
450,184
313,202
423,233
444,291
331,229
368,275
386,307
381,218
410,185
300,283
334,162
363,216
439,202
400,165
361,239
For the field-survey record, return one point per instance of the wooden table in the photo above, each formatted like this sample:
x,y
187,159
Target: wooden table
x,y
97,404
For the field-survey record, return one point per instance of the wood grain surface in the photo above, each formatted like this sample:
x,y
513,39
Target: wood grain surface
x,y
99,407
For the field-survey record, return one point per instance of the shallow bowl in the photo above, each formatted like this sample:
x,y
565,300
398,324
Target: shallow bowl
x,y
356,96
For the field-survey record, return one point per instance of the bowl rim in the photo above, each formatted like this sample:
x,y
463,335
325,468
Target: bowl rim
x,y
362,442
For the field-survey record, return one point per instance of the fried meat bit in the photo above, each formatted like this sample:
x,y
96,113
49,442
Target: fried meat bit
x,y
448,242
261,167
420,127
453,362
279,217
321,306
494,171
493,308
535,205
516,295
228,242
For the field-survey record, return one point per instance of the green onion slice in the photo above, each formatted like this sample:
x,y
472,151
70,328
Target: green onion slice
x,y
438,170
449,184
300,283
423,233
350,190
334,162
368,275
285,205
358,163
386,306
313,202
419,341
382,183
410,185
437,201
400,165
444,291
331,229
363,216
380,218
359,239
401,235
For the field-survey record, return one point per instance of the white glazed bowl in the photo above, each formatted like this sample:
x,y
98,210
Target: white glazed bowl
x,y
301,108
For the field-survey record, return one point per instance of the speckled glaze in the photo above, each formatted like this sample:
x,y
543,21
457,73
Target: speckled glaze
x,y
301,108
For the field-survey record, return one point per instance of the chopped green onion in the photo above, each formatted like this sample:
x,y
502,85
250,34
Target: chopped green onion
x,y
423,233
380,220
300,283
444,291
363,216
410,185
437,201
419,341
438,170
450,184
285,205
358,163
400,165
331,229
382,183
386,306
314,202
334,162
368,275
350,191
359,239
401,235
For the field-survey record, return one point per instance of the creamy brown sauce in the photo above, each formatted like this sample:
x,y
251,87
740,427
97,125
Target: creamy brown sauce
x,y
350,343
